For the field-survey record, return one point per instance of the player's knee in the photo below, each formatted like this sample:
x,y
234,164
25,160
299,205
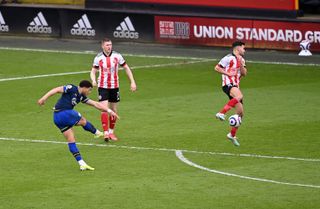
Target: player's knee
x,y
82,122
239,97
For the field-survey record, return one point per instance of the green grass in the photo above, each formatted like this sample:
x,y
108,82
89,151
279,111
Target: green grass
x,y
173,108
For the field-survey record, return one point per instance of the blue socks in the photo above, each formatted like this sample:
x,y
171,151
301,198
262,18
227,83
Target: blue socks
x,y
73,147
89,127
74,150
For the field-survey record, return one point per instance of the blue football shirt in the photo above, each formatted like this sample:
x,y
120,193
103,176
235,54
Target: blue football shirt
x,y
69,98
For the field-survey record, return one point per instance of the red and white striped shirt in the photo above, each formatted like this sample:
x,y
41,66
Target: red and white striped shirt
x,y
108,69
230,63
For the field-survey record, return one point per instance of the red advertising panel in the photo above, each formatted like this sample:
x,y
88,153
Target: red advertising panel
x,y
222,32
284,35
197,31
254,4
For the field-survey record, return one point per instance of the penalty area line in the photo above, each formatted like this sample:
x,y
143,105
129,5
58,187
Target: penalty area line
x,y
181,157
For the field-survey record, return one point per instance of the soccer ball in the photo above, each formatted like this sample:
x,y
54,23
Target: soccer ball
x,y
235,120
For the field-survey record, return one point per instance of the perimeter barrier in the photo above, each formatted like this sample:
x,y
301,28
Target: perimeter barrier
x,y
173,29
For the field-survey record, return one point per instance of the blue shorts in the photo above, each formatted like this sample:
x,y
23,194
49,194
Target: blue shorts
x,y
65,119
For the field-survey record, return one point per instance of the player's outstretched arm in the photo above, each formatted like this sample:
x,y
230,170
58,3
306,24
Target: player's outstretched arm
x,y
93,76
129,73
50,93
101,107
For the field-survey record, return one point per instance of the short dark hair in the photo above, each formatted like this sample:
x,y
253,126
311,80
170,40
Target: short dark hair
x,y
237,43
105,40
85,83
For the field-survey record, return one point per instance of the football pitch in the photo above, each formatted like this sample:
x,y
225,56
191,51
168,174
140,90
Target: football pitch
x,y
172,152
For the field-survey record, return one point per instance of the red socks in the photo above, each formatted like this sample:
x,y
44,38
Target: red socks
x,y
229,105
104,121
233,131
112,121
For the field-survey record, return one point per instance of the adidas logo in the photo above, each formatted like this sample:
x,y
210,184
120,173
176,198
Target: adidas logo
x,y
39,25
83,27
126,30
3,26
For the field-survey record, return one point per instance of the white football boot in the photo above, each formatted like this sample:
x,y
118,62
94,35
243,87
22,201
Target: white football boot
x,y
221,116
233,139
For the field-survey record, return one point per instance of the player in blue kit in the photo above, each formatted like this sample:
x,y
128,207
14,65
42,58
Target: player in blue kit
x,y
65,117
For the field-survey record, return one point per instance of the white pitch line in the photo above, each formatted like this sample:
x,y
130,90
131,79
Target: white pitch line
x,y
47,50
185,160
94,53
190,163
284,63
41,76
172,64
254,156
163,149
82,72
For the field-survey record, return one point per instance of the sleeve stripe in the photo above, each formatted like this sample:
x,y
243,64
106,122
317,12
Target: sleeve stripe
x,y
85,100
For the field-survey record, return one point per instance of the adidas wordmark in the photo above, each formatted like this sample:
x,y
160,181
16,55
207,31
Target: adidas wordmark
x,y
126,30
83,27
39,25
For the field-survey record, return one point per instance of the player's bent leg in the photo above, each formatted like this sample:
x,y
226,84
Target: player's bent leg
x,y
114,107
236,97
69,135
82,122
232,103
87,126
